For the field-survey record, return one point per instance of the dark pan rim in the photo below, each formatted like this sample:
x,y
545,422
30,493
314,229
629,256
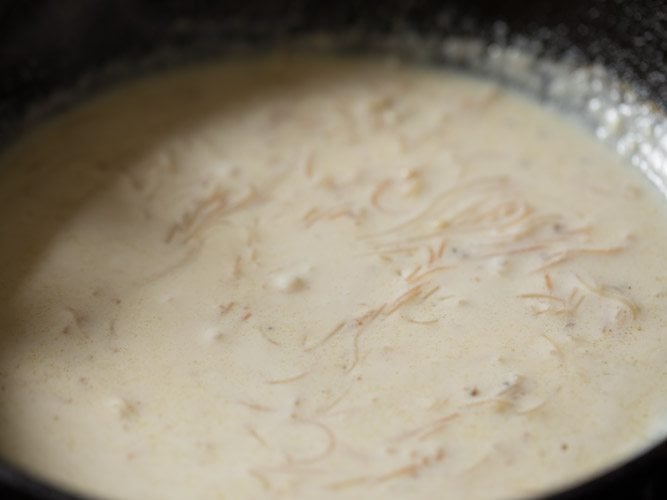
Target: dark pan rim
x,y
24,483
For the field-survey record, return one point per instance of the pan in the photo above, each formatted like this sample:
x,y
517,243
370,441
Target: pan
x,y
54,53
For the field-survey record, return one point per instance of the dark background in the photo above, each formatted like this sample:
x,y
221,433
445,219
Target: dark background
x,y
45,45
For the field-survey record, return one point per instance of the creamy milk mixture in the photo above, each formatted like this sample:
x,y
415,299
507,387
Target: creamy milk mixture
x,y
313,278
